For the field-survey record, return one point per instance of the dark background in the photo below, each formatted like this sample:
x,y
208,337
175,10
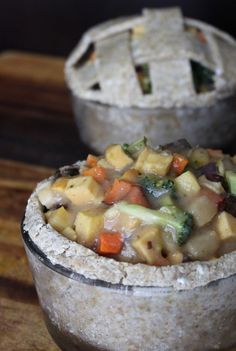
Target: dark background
x,y
54,26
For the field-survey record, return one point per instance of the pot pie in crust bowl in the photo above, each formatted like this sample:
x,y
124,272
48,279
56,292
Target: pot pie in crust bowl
x,y
94,302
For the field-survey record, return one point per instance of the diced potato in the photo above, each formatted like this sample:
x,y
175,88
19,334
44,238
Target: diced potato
x,y
214,186
83,191
116,156
59,218
187,184
148,244
202,209
175,257
150,161
199,157
48,197
202,245
69,233
88,224
131,175
60,184
226,225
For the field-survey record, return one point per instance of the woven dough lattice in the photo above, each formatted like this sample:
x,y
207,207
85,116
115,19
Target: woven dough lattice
x,y
103,67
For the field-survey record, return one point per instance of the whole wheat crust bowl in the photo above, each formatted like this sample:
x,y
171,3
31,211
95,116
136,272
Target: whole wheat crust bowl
x,y
79,259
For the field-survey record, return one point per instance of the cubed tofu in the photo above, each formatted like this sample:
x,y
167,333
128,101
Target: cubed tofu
x,y
116,156
69,233
60,184
148,244
150,161
59,218
88,224
186,184
226,225
82,191
202,209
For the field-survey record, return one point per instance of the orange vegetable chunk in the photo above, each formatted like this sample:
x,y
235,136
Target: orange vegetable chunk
x,y
92,160
136,196
98,173
179,163
110,243
117,191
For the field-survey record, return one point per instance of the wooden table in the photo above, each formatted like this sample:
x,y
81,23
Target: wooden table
x,y
36,127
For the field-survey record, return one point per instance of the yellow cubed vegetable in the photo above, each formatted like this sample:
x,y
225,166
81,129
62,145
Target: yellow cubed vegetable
x,y
131,175
116,156
199,157
202,209
186,184
83,191
150,161
148,244
60,184
59,218
226,225
88,224
69,233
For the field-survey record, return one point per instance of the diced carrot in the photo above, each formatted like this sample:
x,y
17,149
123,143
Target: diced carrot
x,y
110,243
214,197
136,196
117,191
215,153
97,172
179,163
92,160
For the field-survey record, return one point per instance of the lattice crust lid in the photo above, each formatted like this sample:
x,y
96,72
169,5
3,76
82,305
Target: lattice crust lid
x,y
159,59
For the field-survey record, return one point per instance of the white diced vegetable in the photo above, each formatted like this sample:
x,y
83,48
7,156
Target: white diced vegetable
x,y
202,245
59,218
187,184
202,209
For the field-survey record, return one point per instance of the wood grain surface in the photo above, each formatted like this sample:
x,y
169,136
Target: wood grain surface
x,y
37,125
21,323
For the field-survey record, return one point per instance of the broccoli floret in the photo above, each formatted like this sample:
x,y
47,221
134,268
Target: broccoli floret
x,y
166,216
134,148
156,186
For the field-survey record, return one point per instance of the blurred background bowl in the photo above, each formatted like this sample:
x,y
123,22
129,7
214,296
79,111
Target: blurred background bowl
x,y
105,74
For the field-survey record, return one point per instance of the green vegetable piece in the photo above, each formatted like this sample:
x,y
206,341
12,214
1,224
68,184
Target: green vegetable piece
x,y
156,186
172,216
134,148
231,181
